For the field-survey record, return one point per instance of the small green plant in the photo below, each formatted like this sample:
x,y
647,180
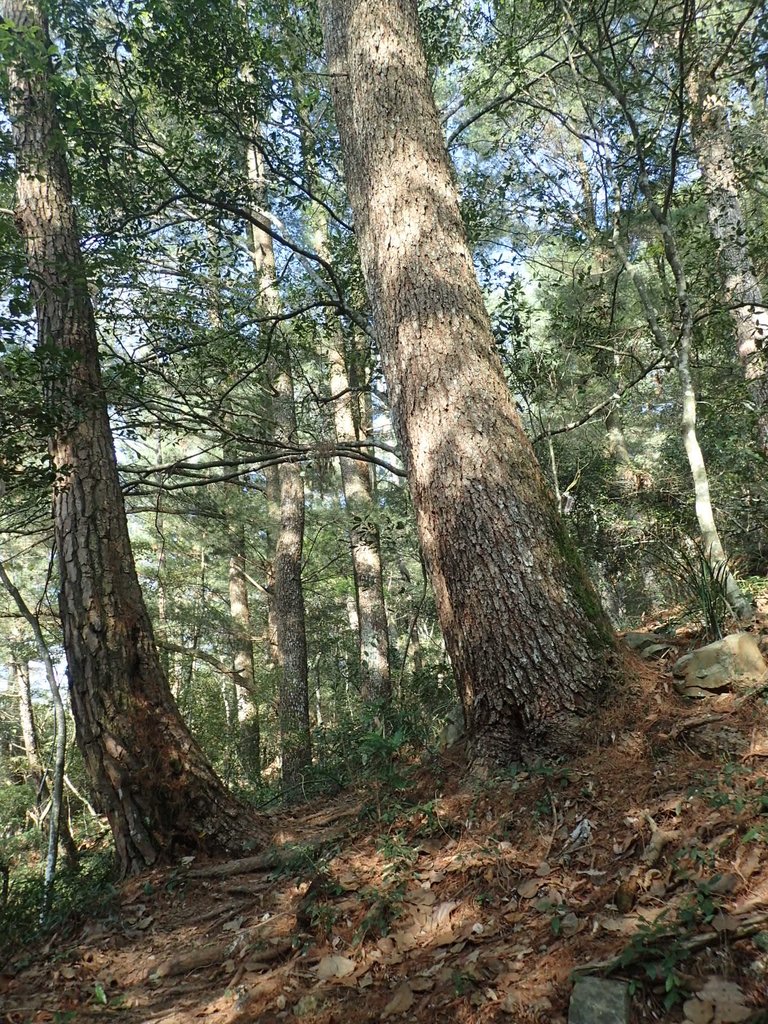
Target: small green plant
x,y
462,983
323,917
701,906
700,582
400,855
297,859
385,908
658,952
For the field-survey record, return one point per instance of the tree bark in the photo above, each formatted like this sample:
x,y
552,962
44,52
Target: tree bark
x,y
713,145
249,737
285,501
356,483
680,353
529,642
364,540
158,790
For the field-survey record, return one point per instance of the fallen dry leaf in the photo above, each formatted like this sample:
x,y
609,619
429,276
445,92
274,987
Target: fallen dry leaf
x,y
528,888
335,967
400,1002
421,983
698,1012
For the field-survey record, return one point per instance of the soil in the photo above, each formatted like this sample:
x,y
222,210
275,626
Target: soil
x,y
461,899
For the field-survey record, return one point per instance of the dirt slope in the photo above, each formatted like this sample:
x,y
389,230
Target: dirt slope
x,y
461,900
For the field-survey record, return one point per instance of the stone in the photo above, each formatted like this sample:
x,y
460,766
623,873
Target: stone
x,y
599,1001
733,663
647,645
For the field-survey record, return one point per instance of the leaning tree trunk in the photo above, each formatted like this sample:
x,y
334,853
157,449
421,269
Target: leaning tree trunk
x,y
159,792
713,145
529,642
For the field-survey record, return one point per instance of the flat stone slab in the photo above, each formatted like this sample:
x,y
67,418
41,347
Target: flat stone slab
x,y
647,645
599,1001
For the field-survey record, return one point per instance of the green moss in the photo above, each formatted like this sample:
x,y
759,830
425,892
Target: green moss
x,y
599,633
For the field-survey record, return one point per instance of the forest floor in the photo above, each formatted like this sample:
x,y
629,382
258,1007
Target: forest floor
x,y
461,899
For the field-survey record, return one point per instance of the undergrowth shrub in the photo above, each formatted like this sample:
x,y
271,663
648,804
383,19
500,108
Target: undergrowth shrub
x,y
77,894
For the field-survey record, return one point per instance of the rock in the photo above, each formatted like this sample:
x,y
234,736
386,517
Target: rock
x,y
734,663
647,645
598,1001
452,730
715,739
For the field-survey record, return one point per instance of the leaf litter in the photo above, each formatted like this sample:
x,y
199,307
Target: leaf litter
x,y
468,901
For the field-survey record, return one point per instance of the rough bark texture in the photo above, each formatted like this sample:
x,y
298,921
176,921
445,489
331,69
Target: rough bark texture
x,y
530,645
713,144
156,787
285,501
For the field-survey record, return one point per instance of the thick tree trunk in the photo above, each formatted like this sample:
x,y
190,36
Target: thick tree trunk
x,y
285,502
713,144
159,792
530,645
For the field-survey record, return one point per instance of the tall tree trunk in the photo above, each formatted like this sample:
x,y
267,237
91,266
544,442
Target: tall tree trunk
x,y
530,645
20,676
285,498
713,144
680,354
249,738
356,481
239,693
158,790
365,544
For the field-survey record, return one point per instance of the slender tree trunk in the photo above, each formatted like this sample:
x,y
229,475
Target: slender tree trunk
x,y
713,144
243,662
373,633
530,645
240,693
59,830
20,675
680,353
357,489
285,499
159,792
739,602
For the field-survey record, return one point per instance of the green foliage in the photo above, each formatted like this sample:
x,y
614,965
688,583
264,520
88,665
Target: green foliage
x,y
77,894
384,909
659,953
700,582
15,802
